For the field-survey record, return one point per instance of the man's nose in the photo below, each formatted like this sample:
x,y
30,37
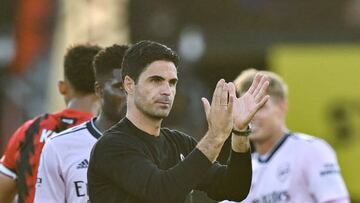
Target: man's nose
x,y
166,89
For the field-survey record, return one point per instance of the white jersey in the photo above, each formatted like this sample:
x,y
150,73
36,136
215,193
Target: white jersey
x,y
300,168
62,174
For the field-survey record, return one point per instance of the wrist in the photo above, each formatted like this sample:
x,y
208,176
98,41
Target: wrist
x,y
242,132
240,144
219,136
210,146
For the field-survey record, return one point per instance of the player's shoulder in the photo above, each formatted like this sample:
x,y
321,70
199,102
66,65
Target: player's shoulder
x,y
310,142
26,133
70,113
304,138
29,127
43,121
70,116
70,132
37,120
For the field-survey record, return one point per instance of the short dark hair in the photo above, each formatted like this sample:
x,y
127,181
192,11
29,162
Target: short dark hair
x,y
107,60
78,67
143,53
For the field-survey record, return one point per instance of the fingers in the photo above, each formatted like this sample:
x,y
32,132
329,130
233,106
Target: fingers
x,y
206,105
255,83
263,79
262,92
224,95
262,102
232,96
217,92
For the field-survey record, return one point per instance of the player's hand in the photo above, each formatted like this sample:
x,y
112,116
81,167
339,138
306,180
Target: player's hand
x,y
248,104
220,113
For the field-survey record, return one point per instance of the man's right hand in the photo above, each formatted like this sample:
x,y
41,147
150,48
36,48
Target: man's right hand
x,y
219,116
220,113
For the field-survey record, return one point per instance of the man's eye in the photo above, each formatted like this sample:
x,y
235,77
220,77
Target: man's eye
x,y
155,80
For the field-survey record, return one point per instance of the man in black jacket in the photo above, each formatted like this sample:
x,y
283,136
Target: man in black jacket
x,y
138,161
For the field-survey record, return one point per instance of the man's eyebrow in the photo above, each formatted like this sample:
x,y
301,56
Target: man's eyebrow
x,y
156,77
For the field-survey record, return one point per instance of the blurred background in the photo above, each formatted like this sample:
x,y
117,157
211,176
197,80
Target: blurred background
x,y
314,45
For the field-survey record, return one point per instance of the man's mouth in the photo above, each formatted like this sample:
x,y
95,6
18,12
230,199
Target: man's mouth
x,y
164,102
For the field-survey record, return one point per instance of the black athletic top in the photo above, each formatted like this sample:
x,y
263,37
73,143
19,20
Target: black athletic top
x,y
129,165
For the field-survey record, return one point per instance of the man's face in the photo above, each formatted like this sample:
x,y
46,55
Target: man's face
x,y
156,89
114,97
268,121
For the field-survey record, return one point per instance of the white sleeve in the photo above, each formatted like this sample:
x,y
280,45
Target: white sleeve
x,y
50,187
323,173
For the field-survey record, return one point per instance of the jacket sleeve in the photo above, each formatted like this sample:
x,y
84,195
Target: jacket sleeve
x,y
231,181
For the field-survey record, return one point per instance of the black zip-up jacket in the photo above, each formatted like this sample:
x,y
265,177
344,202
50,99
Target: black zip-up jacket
x,y
129,165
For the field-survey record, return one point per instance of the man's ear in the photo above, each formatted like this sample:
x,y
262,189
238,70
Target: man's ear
x,y
129,85
98,89
284,106
63,87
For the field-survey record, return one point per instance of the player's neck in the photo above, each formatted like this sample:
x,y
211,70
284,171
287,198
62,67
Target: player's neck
x,y
88,103
103,122
144,122
267,145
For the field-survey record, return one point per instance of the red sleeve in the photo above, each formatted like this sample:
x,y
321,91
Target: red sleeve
x,y
11,153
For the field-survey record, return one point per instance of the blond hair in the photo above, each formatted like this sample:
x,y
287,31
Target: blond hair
x,y
277,87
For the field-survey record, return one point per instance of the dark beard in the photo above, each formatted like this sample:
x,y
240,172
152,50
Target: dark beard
x,y
149,113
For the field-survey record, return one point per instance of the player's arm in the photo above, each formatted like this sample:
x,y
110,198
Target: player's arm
x,y
8,174
50,187
323,174
7,188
